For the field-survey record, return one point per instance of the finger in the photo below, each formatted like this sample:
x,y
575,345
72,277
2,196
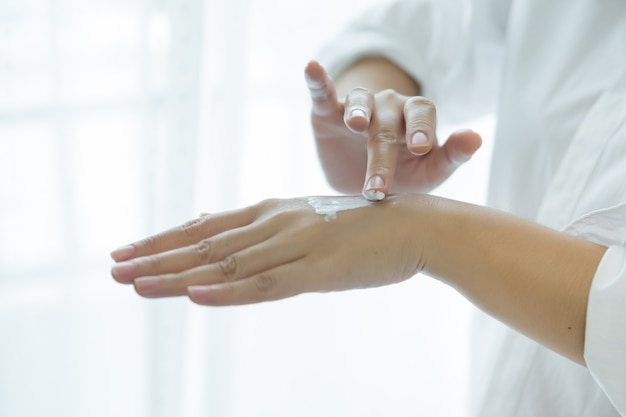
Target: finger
x,y
460,146
358,109
240,265
275,284
458,149
421,122
205,252
191,232
381,165
322,89
386,131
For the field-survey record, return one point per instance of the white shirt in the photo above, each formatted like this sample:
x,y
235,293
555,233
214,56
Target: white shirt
x,y
554,72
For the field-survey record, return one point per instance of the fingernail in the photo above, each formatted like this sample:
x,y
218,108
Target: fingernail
x,y
205,294
357,113
146,285
199,291
123,253
372,190
124,271
419,139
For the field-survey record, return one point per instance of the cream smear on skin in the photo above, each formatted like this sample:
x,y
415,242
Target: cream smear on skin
x,y
330,206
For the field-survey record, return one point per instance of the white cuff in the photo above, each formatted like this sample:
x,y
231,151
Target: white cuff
x,y
605,335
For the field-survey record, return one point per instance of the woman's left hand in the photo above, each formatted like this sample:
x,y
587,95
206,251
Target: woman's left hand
x,y
275,249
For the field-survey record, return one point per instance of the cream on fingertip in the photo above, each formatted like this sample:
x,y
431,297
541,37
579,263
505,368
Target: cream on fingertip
x,y
373,188
374,195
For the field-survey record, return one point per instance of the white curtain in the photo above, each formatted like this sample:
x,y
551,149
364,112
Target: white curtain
x,y
121,118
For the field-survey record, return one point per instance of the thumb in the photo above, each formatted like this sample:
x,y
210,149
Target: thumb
x,y
460,147
457,150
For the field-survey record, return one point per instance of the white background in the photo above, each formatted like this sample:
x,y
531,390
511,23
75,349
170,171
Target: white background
x,y
121,118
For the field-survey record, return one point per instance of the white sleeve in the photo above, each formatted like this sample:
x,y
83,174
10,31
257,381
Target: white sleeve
x,y
453,48
605,334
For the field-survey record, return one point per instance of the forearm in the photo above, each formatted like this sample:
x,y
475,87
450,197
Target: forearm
x,y
376,74
530,277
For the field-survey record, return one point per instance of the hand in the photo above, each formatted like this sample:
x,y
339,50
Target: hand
x,y
386,138
275,249
280,248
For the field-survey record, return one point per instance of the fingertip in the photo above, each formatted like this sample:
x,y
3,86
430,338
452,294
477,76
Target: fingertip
x,y
312,65
356,119
462,144
465,142
359,105
419,143
147,286
123,253
477,139
124,272
374,195
314,73
204,295
321,89
467,134
374,189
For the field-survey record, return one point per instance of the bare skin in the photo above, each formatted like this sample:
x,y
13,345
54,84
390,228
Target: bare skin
x,y
533,278
382,136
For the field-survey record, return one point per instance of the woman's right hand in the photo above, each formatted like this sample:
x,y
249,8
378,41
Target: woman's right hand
x,y
376,143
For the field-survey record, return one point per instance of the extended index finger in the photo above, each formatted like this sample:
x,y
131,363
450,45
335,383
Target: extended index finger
x,y
186,234
322,89
385,136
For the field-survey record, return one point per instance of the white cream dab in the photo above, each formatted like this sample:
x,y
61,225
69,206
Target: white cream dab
x,y
330,206
374,195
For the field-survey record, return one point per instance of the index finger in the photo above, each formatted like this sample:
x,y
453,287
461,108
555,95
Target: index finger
x,y
382,152
322,89
186,234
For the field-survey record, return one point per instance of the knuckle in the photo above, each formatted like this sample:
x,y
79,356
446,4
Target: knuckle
x,y
285,217
319,91
203,251
422,102
384,136
265,208
380,168
420,114
153,263
229,267
266,204
387,94
269,202
192,227
358,95
419,125
150,243
265,282
360,90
